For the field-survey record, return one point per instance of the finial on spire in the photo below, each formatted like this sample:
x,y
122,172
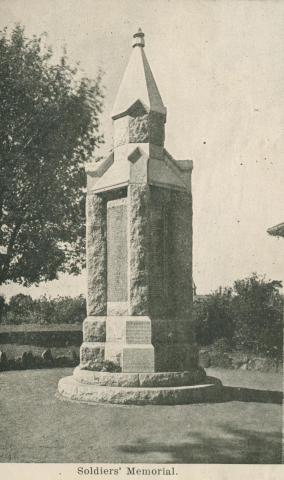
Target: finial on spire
x,y
138,39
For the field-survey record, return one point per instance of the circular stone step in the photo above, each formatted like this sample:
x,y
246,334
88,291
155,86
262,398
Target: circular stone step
x,y
70,389
154,379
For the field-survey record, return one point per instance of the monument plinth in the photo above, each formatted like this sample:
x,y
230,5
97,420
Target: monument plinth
x,y
139,261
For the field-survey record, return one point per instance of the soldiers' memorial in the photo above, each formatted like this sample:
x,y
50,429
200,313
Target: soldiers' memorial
x,y
139,261
141,271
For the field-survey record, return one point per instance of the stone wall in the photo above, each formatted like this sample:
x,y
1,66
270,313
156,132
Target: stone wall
x,y
212,357
49,336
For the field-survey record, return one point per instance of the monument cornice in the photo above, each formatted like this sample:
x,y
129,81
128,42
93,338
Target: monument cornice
x,y
139,168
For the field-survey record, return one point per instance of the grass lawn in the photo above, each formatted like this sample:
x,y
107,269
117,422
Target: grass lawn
x,y
35,426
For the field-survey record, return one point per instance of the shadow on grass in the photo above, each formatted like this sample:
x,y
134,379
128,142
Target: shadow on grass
x,y
240,394
227,446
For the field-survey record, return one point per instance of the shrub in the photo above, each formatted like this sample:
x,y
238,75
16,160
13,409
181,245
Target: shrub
x,y
257,309
212,316
248,317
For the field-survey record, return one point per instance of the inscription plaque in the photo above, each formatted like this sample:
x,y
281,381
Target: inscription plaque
x,y
117,250
138,331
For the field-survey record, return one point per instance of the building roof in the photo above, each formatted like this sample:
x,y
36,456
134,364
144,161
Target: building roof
x,y
277,230
138,83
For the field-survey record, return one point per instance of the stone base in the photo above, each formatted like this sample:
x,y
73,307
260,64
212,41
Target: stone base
x,y
154,379
81,388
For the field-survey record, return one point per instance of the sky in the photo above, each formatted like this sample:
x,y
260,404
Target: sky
x,y
220,71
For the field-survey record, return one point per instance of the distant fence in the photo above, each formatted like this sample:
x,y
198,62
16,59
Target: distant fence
x,y
42,335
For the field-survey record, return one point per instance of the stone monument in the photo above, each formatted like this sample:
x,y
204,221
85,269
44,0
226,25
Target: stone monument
x,y
138,338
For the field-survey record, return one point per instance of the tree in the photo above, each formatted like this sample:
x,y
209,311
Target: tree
x,y
21,303
22,309
3,307
49,128
257,309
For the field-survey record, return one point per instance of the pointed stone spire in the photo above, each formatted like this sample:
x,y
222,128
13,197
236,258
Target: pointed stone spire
x,y
139,115
138,84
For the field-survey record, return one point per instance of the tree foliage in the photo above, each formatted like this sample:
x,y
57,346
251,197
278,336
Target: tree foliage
x,y
248,316
49,128
23,309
